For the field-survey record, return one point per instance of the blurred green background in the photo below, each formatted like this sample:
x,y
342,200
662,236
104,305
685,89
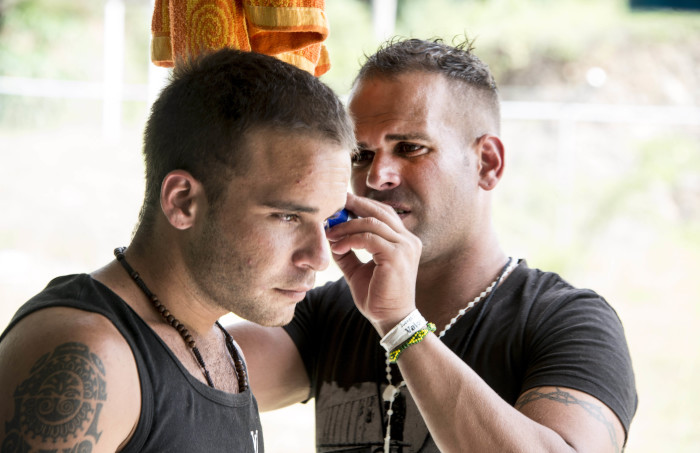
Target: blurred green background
x,y
601,126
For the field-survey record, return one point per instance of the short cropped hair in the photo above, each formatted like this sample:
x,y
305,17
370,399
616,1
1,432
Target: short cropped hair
x,y
457,63
200,119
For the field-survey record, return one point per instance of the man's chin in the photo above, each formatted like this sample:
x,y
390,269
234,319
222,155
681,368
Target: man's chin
x,y
279,318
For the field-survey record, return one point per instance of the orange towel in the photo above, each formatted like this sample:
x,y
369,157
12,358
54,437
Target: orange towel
x,y
291,30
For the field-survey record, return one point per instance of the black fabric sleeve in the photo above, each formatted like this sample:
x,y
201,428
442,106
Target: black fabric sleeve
x,y
306,329
578,341
300,329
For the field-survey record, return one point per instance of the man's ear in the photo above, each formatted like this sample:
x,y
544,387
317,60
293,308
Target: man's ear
x,y
181,198
491,161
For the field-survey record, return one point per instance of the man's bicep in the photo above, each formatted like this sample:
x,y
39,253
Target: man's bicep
x,y
63,392
277,374
585,423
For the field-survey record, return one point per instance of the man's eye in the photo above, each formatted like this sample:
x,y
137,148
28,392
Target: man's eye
x,y
287,218
410,148
362,157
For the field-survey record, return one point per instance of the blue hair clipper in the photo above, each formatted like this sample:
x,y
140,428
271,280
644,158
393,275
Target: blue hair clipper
x,y
339,217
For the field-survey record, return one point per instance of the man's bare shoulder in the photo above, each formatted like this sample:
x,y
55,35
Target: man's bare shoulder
x,y
68,381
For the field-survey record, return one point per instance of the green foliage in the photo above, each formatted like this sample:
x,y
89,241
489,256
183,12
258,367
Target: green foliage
x,y
511,35
350,38
51,39
665,168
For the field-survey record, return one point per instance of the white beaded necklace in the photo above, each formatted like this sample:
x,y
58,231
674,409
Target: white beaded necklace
x,y
391,392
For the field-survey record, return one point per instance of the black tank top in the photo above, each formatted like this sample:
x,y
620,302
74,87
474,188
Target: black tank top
x,y
178,412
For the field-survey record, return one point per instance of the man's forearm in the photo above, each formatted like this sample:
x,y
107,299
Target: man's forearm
x,y
463,414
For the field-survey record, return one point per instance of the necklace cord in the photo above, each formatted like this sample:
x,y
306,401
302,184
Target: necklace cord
x,y
239,365
482,308
391,392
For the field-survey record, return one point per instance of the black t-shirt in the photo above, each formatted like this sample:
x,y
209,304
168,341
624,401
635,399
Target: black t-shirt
x,y
536,330
178,412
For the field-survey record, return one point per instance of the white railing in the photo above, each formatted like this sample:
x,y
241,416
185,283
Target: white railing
x,y
68,89
601,113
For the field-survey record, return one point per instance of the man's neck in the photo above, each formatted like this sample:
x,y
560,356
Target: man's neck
x,y
445,287
166,277
172,285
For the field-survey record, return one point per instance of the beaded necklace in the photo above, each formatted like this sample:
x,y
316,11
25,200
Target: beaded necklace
x,y
392,391
239,365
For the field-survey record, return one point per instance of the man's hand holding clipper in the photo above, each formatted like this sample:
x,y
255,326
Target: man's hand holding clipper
x,y
384,287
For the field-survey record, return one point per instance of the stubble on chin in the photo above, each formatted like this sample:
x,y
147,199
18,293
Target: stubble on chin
x,y
267,313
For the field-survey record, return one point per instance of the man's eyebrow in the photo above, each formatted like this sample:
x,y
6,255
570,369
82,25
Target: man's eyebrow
x,y
290,206
411,136
398,138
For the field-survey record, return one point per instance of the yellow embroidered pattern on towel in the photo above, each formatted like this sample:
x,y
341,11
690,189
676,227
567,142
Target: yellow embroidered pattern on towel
x,y
291,30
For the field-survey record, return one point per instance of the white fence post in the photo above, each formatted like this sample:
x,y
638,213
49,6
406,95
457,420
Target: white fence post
x,y
113,64
383,18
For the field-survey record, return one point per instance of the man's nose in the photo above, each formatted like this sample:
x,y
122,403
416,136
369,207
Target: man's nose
x,y
315,252
384,172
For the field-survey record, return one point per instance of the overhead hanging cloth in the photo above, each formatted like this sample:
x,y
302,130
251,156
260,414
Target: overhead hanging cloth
x,y
291,30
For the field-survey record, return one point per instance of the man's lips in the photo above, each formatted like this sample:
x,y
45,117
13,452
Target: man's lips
x,y
400,209
295,293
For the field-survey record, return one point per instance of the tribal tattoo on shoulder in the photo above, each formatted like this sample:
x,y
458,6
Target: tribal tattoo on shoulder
x,y
560,396
60,402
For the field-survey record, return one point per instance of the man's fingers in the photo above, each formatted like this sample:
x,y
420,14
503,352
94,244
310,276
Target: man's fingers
x,y
365,231
347,262
364,207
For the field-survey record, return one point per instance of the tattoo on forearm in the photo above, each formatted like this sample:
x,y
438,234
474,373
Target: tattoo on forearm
x,y
560,396
59,402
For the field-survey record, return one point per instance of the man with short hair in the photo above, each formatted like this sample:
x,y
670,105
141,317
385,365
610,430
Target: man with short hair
x,y
521,360
246,156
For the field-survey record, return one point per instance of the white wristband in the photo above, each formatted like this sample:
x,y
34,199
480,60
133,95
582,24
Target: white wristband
x,y
403,330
